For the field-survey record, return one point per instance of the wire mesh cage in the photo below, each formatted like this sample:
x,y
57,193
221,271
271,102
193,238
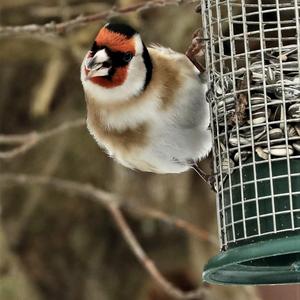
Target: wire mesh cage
x,y
253,55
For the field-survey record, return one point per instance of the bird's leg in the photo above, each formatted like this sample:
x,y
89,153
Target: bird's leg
x,y
196,50
209,179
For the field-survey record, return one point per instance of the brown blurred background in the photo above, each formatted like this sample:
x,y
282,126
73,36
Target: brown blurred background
x,y
59,246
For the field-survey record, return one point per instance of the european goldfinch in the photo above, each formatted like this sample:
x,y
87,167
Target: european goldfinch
x,y
145,106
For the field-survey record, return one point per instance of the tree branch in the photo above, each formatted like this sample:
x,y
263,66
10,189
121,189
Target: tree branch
x,y
83,189
26,141
53,28
112,203
189,228
148,264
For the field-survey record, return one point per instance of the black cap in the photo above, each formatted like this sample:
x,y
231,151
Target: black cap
x,y
124,29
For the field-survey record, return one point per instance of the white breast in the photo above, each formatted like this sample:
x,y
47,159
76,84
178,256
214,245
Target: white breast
x,y
176,134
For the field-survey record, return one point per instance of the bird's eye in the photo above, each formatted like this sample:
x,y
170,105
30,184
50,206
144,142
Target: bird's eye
x,y
127,57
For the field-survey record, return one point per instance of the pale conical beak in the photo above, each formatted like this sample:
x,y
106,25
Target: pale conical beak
x,y
90,73
90,63
98,65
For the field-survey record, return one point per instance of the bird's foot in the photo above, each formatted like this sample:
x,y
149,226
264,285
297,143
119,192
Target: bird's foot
x,y
196,50
210,179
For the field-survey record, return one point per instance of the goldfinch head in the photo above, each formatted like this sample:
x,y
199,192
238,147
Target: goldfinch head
x,y
117,57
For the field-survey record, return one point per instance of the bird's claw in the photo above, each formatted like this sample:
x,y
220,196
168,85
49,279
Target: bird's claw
x,y
196,50
211,180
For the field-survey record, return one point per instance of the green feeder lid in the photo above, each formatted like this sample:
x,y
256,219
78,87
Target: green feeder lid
x,y
276,262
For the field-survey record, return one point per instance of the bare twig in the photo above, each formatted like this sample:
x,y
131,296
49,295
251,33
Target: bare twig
x,y
172,220
81,189
53,28
26,141
30,140
112,203
148,264
78,188
49,166
43,11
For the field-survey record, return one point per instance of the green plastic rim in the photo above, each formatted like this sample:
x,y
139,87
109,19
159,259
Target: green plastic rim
x,y
277,261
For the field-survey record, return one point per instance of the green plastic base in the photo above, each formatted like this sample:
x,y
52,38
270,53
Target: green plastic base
x,y
276,262
258,215
262,236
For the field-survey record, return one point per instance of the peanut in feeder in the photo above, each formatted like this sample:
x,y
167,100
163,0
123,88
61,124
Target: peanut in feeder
x,y
255,113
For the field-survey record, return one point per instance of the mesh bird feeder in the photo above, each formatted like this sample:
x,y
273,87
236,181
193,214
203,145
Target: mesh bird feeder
x,y
253,54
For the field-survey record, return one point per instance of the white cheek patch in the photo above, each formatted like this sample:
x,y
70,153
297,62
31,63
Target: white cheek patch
x,y
139,47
